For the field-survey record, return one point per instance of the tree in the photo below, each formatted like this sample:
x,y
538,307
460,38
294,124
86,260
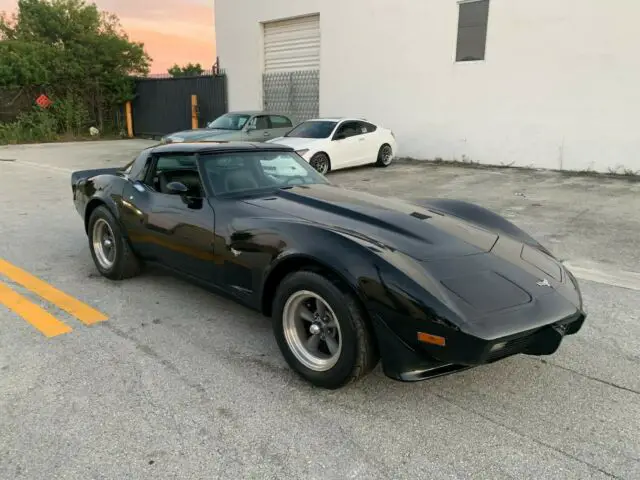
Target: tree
x,y
74,51
189,70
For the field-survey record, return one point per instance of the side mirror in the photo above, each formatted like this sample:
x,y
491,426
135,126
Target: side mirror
x,y
177,188
251,128
339,136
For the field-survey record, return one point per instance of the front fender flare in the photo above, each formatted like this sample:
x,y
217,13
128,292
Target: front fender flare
x,y
479,215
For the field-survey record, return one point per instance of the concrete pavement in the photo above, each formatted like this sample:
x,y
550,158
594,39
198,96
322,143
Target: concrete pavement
x,y
180,383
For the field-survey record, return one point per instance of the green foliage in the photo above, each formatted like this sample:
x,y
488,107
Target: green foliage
x,y
35,125
78,55
189,70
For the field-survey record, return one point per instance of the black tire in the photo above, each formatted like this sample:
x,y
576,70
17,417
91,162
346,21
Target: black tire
x,y
359,354
321,162
125,264
385,156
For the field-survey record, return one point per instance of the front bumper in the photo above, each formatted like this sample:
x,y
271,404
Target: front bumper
x,y
410,363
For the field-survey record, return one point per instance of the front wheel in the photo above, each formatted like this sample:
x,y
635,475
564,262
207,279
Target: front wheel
x,y
320,161
385,156
321,331
110,250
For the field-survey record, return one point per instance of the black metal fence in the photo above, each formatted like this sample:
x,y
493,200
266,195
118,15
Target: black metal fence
x,y
163,103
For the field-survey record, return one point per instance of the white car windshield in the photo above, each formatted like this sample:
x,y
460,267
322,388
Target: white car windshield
x,y
229,121
313,129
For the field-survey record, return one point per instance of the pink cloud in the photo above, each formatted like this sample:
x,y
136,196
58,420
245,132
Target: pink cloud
x,y
173,31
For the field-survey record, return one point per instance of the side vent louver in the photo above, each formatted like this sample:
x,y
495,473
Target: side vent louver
x,y
420,216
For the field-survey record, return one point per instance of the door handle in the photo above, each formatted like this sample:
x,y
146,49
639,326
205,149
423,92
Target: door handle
x,y
361,139
266,134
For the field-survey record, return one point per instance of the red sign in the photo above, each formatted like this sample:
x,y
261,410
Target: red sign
x,y
43,101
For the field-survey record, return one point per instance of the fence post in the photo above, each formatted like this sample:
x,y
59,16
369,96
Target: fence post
x,y
194,111
129,119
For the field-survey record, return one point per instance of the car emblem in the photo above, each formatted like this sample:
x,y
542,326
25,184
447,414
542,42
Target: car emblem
x,y
543,283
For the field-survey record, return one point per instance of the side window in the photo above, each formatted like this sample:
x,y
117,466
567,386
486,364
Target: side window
x,y
176,168
142,175
367,127
346,130
260,122
278,121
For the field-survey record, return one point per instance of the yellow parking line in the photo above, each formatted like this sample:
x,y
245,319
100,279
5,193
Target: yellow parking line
x,y
32,313
81,311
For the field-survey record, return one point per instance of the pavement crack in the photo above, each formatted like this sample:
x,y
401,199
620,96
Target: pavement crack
x,y
576,217
525,436
153,354
590,377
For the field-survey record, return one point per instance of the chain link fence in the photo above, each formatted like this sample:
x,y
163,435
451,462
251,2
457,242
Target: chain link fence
x,y
296,93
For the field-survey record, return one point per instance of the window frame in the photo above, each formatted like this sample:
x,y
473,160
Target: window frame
x,y
458,57
335,138
280,116
152,161
254,119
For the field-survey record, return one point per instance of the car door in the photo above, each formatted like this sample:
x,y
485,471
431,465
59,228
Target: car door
x,y
280,125
258,129
369,142
176,230
346,148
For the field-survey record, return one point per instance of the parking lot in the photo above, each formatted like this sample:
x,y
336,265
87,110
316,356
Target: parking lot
x,y
157,378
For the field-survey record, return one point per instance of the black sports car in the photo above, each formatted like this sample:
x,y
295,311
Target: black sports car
x,y
348,278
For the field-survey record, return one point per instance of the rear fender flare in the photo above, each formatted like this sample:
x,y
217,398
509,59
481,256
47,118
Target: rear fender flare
x,y
105,191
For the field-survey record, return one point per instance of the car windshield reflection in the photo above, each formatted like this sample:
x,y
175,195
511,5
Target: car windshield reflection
x,y
229,121
249,172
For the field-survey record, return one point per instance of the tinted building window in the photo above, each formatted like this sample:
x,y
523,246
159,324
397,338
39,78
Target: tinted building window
x,y
472,30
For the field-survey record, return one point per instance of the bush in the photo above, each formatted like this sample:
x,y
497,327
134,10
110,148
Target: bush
x,y
79,56
37,125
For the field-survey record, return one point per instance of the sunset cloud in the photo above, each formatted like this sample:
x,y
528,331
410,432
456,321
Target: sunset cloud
x,y
173,31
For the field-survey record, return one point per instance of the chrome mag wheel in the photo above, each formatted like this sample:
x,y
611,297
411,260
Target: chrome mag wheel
x,y
312,331
104,243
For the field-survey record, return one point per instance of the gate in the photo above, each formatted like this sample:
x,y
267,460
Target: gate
x,y
292,93
163,104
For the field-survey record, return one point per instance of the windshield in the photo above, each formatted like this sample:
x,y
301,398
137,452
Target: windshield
x,y
229,121
253,171
314,129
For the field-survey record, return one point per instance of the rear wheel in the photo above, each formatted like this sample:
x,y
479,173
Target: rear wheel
x,y
321,331
111,252
385,156
320,161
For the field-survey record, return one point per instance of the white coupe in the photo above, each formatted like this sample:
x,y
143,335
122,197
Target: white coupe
x,y
335,143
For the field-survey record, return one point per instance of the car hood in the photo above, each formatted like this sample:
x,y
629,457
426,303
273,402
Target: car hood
x,y
296,142
199,133
413,230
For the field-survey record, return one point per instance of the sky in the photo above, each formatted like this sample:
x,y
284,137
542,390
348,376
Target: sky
x,y
173,31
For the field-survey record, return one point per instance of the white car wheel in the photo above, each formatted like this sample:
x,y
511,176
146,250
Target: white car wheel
x,y
385,156
320,161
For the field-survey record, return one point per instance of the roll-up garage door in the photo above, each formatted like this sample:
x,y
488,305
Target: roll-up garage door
x,y
291,79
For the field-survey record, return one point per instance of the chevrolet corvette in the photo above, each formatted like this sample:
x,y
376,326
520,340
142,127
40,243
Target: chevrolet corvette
x,y
349,279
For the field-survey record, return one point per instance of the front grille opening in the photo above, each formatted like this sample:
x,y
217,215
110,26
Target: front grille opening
x,y
512,347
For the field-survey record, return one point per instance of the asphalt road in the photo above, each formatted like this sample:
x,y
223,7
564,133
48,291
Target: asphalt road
x,y
179,383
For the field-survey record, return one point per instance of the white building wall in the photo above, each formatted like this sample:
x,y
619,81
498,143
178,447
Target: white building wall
x,y
559,88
